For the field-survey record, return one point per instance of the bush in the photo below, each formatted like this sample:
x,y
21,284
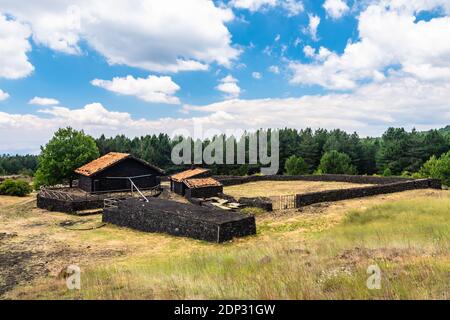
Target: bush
x,y
387,172
335,162
18,188
437,168
295,166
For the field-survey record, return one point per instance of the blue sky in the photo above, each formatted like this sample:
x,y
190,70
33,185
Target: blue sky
x,y
242,64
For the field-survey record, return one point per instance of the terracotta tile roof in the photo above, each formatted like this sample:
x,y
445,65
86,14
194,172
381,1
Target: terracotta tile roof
x,y
201,183
188,174
101,163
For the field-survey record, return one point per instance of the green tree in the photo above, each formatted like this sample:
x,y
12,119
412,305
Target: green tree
x,y
68,150
337,163
295,166
437,168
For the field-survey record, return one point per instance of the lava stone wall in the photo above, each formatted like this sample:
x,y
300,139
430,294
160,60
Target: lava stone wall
x,y
235,180
260,202
68,206
206,192
343,194
179,219
337,195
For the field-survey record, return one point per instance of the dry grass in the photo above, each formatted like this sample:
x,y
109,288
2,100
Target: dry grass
x,y
280,188
321,252
6,201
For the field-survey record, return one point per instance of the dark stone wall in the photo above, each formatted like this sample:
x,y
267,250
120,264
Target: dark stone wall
x,y
260,202
68,206
235,180
343,194
85,183
180,219
178,187
337,195
205,192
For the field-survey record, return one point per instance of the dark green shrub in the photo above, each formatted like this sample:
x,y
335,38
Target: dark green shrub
x,y
295,166
18,188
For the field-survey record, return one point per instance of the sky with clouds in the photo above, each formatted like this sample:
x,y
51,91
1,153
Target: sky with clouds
x,y
139,67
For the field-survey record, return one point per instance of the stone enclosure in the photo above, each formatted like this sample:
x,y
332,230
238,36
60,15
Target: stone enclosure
x,y
179,219
378,185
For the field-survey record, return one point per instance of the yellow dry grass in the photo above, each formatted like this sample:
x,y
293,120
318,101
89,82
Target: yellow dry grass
x,y
280,188
311,254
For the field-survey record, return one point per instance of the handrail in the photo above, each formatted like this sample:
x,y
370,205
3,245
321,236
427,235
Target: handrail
x,y
133,185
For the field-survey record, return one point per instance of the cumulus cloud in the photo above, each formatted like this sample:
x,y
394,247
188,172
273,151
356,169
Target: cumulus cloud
x,y
257,75
391,40
3,95
292,7
369,110
336,8
43,101
14,46
229,86
163,36
152,89
313,24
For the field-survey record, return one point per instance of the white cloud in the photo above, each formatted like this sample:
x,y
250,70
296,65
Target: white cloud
x,y
14,47
369,110
336,8
274,69
390,41
229,86
151,89
313,24
257,75
163,36
292,7
309,51
254,5
3,95
43,101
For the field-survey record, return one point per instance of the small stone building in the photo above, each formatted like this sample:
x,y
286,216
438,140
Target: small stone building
x,y
202,188
113,172
177,184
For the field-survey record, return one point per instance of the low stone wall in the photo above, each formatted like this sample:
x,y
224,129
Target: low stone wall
x,y
179,219
68,206
337,195
305,199
235,180
260,202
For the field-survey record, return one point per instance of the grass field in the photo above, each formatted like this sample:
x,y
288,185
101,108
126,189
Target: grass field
x,y
280,188
321,252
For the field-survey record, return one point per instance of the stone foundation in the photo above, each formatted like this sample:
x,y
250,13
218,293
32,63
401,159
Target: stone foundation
x,y
68,206
179,219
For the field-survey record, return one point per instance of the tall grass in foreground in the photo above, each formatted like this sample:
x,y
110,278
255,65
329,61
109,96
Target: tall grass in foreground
x,y
408,240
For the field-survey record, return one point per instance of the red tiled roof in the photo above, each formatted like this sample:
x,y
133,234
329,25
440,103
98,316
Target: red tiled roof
x,y
101,163
188,174
201,183
106,161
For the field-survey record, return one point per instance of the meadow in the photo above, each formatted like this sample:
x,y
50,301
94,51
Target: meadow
x,y
318,252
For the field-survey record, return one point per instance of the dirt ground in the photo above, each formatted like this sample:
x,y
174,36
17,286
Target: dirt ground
x,y
36,244
280,188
